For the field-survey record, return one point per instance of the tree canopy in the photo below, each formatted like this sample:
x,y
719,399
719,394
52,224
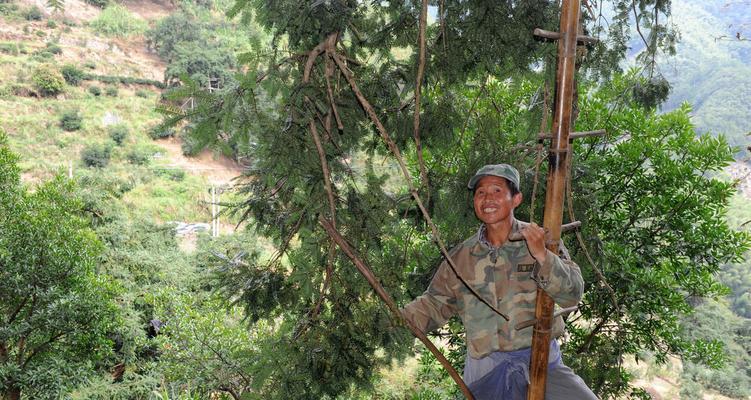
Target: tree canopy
x,y
326,116
56,312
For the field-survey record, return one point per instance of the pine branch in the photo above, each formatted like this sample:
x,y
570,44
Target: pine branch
x,y
366,272
408,177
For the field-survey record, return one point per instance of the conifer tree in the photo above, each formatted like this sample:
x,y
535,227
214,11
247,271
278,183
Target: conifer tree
x,y
343,119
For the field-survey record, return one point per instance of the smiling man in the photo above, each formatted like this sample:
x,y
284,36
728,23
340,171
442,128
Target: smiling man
x,y
506,274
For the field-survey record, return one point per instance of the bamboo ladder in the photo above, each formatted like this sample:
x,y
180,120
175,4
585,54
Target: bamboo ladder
x,y
558,166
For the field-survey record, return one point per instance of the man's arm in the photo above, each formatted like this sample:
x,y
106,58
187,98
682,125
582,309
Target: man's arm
x,y
560,277
437,304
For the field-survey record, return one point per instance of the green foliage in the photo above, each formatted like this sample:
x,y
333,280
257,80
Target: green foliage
x,y
175,174
48,80
51,22
96,155
159,132
118,133
115,20
140,155
71,120
124,80
95,90
53,48
73,76
111,91
13,48
99,3
56,311
33,13
89,64
142,93
191,50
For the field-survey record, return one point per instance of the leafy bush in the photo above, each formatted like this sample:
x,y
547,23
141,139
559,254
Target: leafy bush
x,y
53,48
51,24
96,155
142,93
140,155
8,9
111,91
13,48
118,133
98,3
117,21
90,64
72,74
71,120
158,132
95,90
48,80
33,14
177,175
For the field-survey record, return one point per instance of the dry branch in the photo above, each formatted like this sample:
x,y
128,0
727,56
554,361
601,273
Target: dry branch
x,y
373,281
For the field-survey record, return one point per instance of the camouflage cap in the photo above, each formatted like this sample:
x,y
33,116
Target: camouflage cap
x,y
499,170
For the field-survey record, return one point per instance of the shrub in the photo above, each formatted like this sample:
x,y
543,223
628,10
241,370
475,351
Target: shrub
x,y
8,9
177,175
53,48
98,3
96,155
111,91
71,120
90,65
117,21
33,14
13,48
95,90
118,133
68,22
48,80
142,93
158,132
72,74
139,156
51,24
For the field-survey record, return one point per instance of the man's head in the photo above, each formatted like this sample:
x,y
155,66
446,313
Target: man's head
x,y
500,170
496,193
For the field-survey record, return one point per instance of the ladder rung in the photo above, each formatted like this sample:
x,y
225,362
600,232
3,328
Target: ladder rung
x,y
574,135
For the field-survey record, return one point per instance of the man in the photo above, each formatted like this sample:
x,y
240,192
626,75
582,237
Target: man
x,y
506,273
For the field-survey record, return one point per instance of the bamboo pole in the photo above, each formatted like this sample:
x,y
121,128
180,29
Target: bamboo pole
x,y
554,193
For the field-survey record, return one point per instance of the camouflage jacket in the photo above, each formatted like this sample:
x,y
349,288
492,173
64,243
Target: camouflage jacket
x,y
508,275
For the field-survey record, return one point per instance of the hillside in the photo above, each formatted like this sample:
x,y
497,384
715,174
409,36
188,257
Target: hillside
x,y
152,177
75,42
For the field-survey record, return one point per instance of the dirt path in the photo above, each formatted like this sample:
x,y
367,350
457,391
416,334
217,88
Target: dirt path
x,y
217,169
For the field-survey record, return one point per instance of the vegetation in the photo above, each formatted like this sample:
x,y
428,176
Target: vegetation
x,y
56,311
116,20
96,155
71,120
48,80
73,76
283,315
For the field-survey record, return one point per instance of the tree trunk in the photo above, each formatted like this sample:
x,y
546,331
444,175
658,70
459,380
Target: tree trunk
x,y
12,393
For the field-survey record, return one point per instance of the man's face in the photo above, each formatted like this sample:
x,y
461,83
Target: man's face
x,y
493,200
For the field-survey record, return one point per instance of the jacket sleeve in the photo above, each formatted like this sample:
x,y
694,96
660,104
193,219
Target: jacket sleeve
x,y
561,278
437,304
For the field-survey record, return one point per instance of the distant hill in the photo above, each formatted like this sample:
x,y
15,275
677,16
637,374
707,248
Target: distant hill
x,y
712,67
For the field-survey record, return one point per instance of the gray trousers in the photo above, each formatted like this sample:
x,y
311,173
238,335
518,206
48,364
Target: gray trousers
x,y
504,376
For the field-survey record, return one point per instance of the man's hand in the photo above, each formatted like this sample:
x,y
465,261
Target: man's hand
x,y
535,238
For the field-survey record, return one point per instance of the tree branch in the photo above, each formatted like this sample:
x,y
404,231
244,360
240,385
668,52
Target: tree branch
x,y
373,281
408,177
418,89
